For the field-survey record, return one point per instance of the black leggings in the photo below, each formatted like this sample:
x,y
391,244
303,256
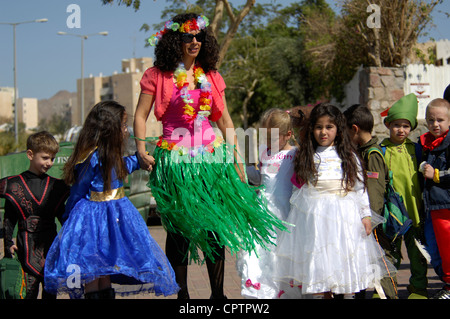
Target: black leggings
x,y
177,250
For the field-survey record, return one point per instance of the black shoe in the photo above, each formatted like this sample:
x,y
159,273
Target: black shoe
x,y
108,293
92,295
183,294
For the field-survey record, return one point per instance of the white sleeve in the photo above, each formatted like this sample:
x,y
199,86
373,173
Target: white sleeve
x,y
363,195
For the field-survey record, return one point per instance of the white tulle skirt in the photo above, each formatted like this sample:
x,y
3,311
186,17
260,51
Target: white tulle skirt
x,y
326,248
256,271
256,268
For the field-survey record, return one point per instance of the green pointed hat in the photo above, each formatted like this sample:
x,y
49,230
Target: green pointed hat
x,y
406,108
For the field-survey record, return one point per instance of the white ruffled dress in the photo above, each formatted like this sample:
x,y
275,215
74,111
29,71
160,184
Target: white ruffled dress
x,y
326,248
257,270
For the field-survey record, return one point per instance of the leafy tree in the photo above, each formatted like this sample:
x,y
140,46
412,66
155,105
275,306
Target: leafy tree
x,y
225,32
133,3
401,24
318,28
339,45
8,141
57,124
244,67
264,64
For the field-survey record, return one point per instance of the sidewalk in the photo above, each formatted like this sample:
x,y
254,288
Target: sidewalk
x,y
198,281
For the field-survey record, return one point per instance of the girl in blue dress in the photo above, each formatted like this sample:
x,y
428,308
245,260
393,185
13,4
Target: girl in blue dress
x,y
104,239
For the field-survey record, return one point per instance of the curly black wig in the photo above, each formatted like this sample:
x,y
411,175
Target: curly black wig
x,y
168,51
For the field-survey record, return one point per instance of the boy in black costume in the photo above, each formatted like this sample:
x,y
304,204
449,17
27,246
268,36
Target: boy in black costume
x,y
33,201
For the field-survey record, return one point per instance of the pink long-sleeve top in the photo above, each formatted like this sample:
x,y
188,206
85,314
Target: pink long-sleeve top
x,y
168,107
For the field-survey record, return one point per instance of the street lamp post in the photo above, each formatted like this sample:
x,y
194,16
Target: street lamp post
x,y
16,121
83,37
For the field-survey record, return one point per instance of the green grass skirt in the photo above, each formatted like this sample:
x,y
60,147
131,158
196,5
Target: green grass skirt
x,y
199,194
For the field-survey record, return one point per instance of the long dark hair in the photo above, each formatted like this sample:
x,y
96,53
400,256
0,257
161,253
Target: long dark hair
x,y
304,159
102,129
168,51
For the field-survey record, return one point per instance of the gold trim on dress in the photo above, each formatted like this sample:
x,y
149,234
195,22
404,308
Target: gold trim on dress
x,y
86,155
331,186
105,196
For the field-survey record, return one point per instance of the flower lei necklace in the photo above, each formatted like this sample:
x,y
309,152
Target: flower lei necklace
x,y
205,94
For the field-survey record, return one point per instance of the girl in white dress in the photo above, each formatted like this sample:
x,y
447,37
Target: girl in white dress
x,y
274,174
330,249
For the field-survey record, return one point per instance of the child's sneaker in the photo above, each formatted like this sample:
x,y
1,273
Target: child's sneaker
x,y
444,293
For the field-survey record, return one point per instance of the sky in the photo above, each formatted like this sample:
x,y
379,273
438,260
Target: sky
x,y
48,62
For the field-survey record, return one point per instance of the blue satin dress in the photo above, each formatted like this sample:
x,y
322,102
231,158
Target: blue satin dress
x,y
105,235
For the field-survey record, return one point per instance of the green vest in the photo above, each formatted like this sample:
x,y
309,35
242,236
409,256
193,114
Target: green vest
x,y
402,161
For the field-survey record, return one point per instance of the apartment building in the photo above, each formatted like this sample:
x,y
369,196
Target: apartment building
x,y
122,87
6,103
27,109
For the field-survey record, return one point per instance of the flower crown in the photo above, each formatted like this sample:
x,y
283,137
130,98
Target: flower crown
x,y
194,24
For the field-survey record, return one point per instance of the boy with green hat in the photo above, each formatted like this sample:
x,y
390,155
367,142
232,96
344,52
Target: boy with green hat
x,y
403,159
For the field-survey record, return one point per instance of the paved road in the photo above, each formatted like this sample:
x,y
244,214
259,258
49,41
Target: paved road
x,y
199,285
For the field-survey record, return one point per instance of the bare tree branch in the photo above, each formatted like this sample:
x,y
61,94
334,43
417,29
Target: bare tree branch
x,y
234,25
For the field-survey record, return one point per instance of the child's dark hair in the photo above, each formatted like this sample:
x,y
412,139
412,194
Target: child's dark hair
x,y
300,116
102,130
304,166
42,142
447,93
360,116
168,51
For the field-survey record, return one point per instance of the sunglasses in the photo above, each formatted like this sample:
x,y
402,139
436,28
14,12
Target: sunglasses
x,y
188,37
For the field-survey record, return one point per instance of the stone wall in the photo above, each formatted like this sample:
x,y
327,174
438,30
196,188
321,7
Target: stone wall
x,y
379,89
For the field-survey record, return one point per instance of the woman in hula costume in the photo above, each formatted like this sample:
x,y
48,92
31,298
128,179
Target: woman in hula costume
x,y
199,185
